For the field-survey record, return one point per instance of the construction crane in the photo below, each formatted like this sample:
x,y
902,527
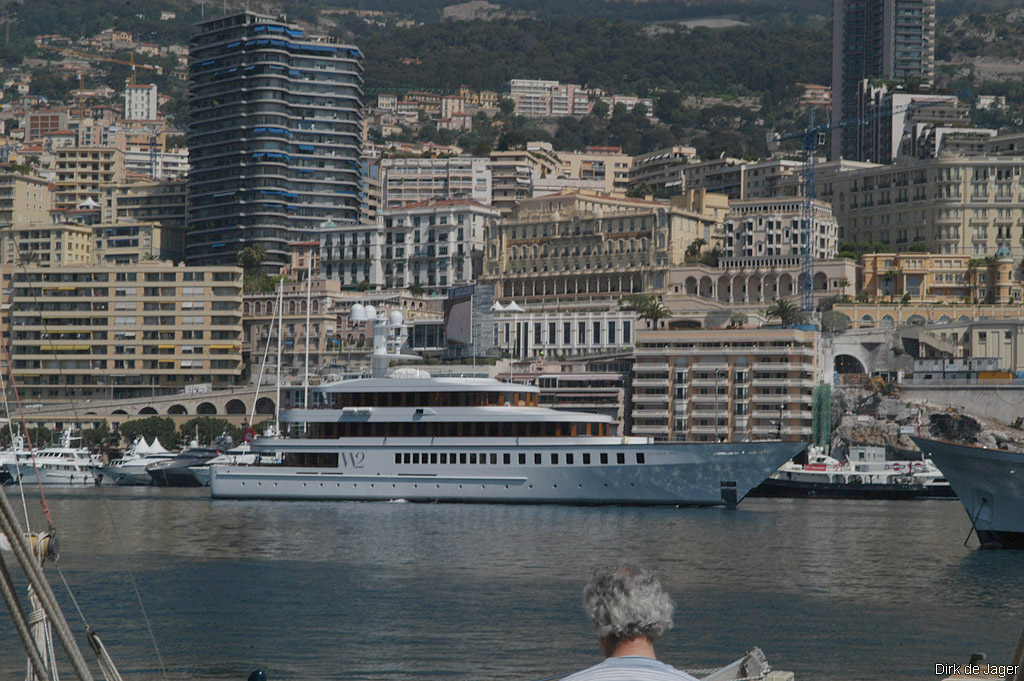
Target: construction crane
x,y
68,52
812,138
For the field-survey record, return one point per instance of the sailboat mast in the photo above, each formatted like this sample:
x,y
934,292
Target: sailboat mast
x,y
309,299
280,337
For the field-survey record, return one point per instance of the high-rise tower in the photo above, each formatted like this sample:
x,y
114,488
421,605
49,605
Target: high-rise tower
x,y
275,136
883,39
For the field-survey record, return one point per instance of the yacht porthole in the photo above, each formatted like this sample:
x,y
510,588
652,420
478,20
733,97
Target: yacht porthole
x,y
275,484
259,484
531,486
554,486
392,485
481,486
460,486
415,486
606,484
580,485
303,484
506,486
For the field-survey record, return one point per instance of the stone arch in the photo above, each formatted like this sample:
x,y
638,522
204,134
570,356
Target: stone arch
x,y
706,287
177,409
820,281
245,308
739,289
147,410
258,308
945,319
119,412
690,286
755,290
963,318
235,406
724,292
848,364
770,286
916,320
887,322
302,307
867,321
264,405
206,408
291,307
316,306
785,285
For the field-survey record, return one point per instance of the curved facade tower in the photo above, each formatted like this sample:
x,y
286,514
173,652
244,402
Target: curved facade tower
x,y
275,136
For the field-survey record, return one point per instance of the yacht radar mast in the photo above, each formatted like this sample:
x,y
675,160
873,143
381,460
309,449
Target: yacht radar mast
x,y
389,335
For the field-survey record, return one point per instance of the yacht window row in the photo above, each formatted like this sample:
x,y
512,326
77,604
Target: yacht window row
x,y
537,458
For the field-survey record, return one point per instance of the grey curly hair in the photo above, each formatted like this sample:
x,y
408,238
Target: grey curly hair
x,y
626,601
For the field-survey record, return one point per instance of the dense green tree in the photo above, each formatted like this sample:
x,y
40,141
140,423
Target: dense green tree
x,y
833,321
153,426
206,428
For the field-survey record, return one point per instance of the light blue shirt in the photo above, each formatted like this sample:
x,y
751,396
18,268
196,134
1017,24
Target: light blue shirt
x,y
630,668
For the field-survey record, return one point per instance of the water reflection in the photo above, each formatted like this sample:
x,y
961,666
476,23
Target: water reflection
x,y
399,591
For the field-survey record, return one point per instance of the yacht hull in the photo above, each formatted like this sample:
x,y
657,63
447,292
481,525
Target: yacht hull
x,y
27,474
990,485
642,474
798,489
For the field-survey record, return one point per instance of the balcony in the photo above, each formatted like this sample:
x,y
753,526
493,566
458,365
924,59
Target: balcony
x,y
650,382
649,367
647,399
650,430
642,413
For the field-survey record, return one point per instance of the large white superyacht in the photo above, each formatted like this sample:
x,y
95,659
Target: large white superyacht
x,y
411,436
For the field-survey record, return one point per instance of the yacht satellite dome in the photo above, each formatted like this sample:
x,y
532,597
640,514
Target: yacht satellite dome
x,y
395,318
370,313
357,314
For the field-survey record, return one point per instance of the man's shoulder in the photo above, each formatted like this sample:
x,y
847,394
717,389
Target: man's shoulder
x,y
630,668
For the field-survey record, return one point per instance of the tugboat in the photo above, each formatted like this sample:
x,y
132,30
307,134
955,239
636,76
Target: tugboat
x,y
864,475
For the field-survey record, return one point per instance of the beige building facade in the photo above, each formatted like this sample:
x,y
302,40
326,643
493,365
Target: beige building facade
x,y
582,244
952,205
24,200
82,332
82,171
724,385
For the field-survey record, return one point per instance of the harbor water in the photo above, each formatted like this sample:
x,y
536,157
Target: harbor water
x,y
851,590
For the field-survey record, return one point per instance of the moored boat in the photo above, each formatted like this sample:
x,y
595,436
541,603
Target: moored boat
x,y
411,436
130,469
62,464
865,474
990,485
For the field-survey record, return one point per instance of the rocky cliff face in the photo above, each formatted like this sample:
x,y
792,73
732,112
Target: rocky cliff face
x,y
866,417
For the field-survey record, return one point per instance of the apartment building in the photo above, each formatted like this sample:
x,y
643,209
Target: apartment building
x,y
140,102
513,174
413,180
162,202
953,205
435,244
584,244
24,200
548,98
897,124
770,227
885,39
39,123
662,170
82,171
275,137
47,245
728,384
930,278
129,243
607,167
84,332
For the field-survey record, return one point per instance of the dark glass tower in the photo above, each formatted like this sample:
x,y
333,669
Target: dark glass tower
x,y
877,39
275,136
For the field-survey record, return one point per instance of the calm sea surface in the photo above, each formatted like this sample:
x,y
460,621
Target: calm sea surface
x,y
309,591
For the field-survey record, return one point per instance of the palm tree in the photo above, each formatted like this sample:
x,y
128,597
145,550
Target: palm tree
x,y
785,311
694,249
653,311
891,275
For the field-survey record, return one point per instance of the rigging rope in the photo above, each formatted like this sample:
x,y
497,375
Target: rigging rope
x,y
138,595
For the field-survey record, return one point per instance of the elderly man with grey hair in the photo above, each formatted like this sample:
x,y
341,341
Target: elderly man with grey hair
x,y
630,611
